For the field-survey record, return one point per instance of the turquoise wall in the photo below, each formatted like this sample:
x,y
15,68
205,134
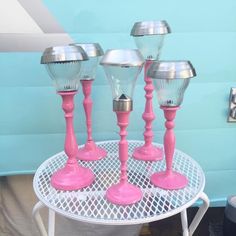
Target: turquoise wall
x,y
32,124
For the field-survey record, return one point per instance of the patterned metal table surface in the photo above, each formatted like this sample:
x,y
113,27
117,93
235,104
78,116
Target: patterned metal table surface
x,y
89,204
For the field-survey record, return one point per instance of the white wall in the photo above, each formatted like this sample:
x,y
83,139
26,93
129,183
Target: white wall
x,y
14,19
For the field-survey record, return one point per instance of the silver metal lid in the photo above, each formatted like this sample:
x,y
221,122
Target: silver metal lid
x,y
150,28
64,54
123,103
171,70
91,49
122,58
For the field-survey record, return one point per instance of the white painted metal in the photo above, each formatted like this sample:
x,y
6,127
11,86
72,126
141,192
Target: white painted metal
x,y
37,218
31,42
201,212
28,26
89,204
15,19
51,222
184,221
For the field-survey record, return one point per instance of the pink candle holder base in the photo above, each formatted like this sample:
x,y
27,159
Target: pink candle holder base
x,y
72,177
123,194
91,152
148,153
172,180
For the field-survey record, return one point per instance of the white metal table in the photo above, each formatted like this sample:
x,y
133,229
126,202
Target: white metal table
x,y
89,205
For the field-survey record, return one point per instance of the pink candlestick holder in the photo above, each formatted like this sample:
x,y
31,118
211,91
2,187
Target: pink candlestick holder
x,y
123,193
169,179
90,151
72,176
148,152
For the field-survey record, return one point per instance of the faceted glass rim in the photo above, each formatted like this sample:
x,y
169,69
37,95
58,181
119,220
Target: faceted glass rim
x,y
143,28
63,54
178,69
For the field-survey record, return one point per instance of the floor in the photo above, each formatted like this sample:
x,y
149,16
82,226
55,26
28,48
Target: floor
x,y
211,224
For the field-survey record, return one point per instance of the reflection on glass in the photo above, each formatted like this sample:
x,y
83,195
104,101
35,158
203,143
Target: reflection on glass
x,y
88,69
64,74
122,79
150,45
170,92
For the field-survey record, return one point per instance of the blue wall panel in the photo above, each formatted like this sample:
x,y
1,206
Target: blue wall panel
x,y
32,126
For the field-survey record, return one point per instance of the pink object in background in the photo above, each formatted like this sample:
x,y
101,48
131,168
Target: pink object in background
x,y
148,152
72,176
90,151
123,193
169,179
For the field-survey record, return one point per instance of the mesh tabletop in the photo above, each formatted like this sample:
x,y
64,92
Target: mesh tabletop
x,y
90,205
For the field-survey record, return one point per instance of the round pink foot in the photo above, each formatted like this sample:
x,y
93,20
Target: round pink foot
x,y
148,153
91,152
170,181
72,177
123,194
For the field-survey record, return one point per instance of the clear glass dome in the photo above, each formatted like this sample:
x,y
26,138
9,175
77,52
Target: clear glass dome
x,y
64,75
170,92
150,45
122,80
89,68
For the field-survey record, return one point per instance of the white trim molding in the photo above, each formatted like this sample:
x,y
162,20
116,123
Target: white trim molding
x,y
45,30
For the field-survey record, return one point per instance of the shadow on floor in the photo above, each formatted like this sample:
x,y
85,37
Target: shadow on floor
x,y
211,222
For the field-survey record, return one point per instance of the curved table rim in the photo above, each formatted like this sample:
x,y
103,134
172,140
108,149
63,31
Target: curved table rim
x,y
123,221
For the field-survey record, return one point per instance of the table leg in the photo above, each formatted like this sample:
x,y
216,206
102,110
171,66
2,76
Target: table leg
x,y
200,213
188,231
51,223
184,221
38,219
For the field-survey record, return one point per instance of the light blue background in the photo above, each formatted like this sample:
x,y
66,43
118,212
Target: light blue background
x,y
32,124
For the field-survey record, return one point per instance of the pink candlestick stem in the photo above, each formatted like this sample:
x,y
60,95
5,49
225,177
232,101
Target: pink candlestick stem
x,y
90,151
123,193
72,176
169,179
148,152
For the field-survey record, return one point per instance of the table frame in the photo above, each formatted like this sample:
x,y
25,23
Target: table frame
x,y
188,230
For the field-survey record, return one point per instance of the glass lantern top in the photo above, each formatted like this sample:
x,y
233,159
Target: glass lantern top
x,y
63,54
89,67
122,67
150,28
149,37
63,64
170,79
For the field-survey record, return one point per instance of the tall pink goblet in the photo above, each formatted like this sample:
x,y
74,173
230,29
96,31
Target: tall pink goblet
x,y
63,65
171,78
122,68
90,151
149,37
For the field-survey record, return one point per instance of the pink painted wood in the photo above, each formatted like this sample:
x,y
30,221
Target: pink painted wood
x,y
148,152
90,151
169,179
72,176
123,193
